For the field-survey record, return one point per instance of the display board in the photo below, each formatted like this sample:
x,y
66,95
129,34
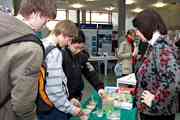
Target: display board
x,y
90,31
104,37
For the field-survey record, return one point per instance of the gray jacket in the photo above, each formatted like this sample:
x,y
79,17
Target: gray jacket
x,y
56,81
19,67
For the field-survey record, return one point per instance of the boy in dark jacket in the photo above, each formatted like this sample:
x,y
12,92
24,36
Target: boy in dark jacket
x,y
75,64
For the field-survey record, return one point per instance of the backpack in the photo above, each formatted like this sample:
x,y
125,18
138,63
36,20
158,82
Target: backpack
x,y
43,102
26,38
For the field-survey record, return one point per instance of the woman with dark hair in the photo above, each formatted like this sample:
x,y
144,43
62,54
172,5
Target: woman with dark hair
x,y
156,93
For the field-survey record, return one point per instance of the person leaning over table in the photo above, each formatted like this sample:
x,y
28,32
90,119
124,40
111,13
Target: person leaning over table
x,y
56,80
76,64
156,92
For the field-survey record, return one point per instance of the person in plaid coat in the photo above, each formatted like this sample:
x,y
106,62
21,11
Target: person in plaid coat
x,y
156,91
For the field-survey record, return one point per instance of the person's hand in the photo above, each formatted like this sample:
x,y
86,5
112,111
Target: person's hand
x,y
140,35
75,102
84,116
135,52
102,93
78,111
147,98
105,98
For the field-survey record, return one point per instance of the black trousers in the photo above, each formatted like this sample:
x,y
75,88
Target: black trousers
x,y
160,117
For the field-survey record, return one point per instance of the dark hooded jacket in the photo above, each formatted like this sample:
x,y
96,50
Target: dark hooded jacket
x,y
74,67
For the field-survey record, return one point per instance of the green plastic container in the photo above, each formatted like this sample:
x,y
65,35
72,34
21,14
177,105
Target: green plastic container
x,y
123,113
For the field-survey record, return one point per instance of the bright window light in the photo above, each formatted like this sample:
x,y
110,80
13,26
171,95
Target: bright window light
x,y
61,14
51,25
99,17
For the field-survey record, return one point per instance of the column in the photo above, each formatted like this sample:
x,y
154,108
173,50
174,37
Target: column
x,y
83,16
90,16
78,17
67,14
121,19
110,17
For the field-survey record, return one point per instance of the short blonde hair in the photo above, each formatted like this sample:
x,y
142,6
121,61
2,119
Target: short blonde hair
x,y
67,28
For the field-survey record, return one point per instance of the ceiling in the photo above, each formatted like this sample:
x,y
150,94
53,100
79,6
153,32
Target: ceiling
x,y
99,5
170,13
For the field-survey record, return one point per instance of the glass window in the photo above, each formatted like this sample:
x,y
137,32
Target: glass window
x,y
61,14
88,16
115,19
73,15
99,17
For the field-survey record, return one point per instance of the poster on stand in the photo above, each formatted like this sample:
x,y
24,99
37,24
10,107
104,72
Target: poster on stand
x,y
90,31
104,37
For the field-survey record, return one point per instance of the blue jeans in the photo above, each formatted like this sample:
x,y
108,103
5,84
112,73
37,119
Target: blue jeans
x,y
54,114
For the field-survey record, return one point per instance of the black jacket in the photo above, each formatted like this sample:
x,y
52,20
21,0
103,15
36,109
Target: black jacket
x,y
76,65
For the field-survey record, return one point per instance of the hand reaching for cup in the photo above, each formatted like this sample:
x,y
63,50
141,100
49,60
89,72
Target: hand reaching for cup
x,y
75,102
77,112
